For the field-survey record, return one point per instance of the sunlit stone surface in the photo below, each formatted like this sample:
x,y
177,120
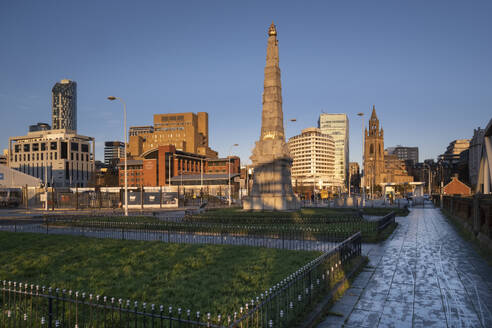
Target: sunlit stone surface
x,y
272,184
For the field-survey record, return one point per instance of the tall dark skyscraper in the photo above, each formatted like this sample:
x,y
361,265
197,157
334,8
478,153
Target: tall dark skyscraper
x,y
64,105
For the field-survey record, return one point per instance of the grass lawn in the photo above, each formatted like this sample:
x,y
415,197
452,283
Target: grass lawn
x,y
206,278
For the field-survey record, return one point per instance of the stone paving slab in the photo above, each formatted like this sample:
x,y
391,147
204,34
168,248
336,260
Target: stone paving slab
x,y
424,275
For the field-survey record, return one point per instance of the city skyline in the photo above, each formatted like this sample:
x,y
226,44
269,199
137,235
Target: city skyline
x,y
329,65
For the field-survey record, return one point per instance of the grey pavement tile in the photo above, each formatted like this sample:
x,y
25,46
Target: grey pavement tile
x,y
429,321
363,319
353,290
342,308
401,293
425,259
397,314
371,302
383,276
378,286
450,283
332,321
349,299
403,277
428,306
458,306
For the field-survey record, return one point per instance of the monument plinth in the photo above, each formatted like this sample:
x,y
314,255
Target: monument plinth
x,y
272,183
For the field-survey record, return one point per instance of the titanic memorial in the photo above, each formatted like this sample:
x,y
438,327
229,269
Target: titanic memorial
x,y
272,184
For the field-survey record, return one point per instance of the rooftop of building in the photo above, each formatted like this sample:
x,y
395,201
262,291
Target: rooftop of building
x,y
51,134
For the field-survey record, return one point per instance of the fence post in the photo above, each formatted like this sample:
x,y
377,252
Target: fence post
x,y
27,197
142,197
476,214
50,310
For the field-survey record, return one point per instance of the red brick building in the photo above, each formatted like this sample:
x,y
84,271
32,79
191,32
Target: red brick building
x,y
163,163
456,187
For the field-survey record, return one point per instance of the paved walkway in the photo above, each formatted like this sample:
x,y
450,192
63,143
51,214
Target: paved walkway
x,y
426,275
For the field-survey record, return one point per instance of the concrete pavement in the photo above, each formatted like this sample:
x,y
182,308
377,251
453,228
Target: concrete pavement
x,y
426,275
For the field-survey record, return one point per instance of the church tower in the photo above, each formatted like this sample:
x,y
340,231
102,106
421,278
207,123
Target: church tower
x,y
373,152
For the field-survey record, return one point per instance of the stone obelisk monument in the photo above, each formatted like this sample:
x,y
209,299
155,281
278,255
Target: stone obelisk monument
x,y
272,184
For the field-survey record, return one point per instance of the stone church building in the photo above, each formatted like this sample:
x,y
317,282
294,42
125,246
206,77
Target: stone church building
x,y
379,167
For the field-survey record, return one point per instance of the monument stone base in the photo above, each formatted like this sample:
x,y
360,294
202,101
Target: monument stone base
x,y
271,203
272,188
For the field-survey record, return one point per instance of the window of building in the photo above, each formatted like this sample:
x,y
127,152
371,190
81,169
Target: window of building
x,y
85,148
53,145
74,146
43,146
35,147
17,148
27,147
64,150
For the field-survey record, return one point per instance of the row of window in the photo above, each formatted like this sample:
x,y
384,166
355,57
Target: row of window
x,y
52,156
71,173
53,145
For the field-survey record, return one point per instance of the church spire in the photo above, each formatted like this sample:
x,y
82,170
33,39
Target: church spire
x,y
374,123
373,115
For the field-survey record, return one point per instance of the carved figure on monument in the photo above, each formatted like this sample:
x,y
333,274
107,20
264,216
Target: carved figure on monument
x,y
272,184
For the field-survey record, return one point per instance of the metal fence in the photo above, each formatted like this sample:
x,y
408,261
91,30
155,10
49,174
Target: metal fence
x,y
29,305
302,238
92,198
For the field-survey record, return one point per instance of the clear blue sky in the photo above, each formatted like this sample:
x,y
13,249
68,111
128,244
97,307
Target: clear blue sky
x,y
427,65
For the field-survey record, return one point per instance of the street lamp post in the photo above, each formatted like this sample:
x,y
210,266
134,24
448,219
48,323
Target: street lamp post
x,y
229,170
362,161
126,142
429,190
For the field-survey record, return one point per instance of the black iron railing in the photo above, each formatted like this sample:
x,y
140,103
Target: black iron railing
x,y
29,305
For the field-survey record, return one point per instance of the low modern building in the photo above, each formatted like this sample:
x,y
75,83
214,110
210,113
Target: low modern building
x,y
10,178
60,158
166,165
313,166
